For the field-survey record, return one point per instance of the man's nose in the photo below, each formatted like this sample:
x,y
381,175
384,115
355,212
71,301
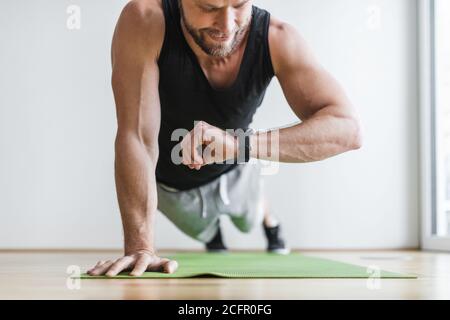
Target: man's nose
x,y
227,22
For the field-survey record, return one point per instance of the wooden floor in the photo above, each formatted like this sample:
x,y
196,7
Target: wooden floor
x,y
43,275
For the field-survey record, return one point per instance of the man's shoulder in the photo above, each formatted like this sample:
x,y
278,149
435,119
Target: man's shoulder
x,y
285,42
144,13
278,27
141,27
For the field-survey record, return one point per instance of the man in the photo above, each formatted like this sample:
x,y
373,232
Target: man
x,y
204,66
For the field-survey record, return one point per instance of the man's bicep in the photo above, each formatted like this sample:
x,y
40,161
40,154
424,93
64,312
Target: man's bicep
x,y
135,74
307,86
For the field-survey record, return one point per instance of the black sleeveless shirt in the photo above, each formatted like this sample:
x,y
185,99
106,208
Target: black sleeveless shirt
x,y
187,96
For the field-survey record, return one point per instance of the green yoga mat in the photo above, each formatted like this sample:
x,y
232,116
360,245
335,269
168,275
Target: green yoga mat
x,y
259,265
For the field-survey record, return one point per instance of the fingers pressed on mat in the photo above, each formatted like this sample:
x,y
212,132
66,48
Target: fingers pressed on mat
x,y
101,269
171,266
96,265
140,266
164,265
120,265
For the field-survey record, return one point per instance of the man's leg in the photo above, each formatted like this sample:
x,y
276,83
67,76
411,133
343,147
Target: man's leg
x,y
189,211
247,205
269,219
216,244
272,230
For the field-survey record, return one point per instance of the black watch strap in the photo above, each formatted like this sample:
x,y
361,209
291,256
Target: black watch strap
x,y
247,147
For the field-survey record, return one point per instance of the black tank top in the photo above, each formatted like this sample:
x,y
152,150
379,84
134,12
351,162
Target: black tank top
x,y
187,96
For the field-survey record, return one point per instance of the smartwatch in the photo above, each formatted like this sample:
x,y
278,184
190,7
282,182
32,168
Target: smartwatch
x,y
247,147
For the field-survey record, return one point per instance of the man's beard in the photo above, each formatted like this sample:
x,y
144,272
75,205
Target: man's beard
x,y
220,51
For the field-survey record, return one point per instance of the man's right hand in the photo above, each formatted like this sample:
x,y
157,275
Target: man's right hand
x,y
138,262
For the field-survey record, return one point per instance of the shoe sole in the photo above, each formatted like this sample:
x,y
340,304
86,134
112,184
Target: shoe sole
x,y
217,251
283,251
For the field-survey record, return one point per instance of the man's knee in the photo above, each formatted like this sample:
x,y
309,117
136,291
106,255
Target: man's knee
x,y
246,224
252,219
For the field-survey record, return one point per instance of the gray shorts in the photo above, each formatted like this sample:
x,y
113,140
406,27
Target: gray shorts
x,y
196,212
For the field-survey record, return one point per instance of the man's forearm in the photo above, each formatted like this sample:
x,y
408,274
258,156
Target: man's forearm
x,y
315,139
136,191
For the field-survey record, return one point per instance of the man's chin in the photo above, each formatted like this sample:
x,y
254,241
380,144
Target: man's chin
x,y
221,45
220,52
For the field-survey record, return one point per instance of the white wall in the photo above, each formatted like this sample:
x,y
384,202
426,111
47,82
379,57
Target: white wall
x,y
57,126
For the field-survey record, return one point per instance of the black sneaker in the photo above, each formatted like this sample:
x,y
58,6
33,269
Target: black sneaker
x,y
275,242
216,244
